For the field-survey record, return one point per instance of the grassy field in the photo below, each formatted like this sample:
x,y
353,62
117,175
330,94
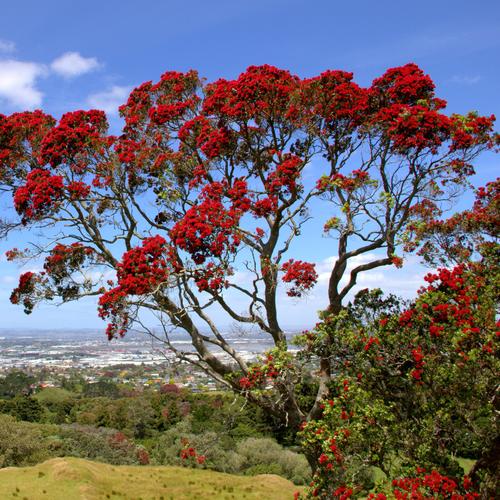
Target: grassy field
x,y
77,479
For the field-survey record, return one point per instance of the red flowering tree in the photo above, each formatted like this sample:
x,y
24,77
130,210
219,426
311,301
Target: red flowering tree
x,y
209,178
417,383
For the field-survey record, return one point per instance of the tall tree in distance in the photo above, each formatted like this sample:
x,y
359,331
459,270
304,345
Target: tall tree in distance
x,y
207,179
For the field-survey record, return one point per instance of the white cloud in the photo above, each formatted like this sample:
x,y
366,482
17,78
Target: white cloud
x,y
7,46
72,64
109,100
18,81
465,79
403,282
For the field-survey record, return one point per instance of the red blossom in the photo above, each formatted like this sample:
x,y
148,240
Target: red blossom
x,y
301,274
40,195
260,91
73,138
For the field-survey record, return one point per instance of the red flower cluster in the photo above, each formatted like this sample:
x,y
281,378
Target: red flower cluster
x,y
64,259
458,310
418,358
259,92
127,150
404,84
285,177
78,190
144,268
216,143
40,195
112,305
370,342
432,485
141,271
175,96
333,97
265,206
200,133
72,139
190,453
25,290
211,277
414,127
166,102
259,374
471,130
301,274
208,228
20,137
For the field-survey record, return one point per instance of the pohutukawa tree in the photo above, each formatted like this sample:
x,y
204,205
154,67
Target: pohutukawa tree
x,y
206,179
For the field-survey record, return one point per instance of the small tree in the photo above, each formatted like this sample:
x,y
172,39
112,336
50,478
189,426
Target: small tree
x,y
206,179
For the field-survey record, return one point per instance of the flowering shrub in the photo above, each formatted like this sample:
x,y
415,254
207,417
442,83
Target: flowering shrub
x,y
189,454
436,359
430,485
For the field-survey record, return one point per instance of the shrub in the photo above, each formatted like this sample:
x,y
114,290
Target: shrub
x,y
21,443
264,455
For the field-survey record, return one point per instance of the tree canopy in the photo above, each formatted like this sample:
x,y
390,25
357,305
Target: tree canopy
x,y
207,179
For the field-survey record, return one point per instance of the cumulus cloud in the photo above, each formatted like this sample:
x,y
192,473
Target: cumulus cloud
x,y
72,64
109,100
402,282
18,83
7,46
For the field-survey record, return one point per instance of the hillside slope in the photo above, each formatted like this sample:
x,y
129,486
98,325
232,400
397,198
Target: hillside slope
x,y
78,479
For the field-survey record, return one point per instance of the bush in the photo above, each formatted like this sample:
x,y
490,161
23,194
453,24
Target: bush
x,y
222,453
21,443
264,455
104,445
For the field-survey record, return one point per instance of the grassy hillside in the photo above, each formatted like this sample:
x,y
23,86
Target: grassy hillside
x,y
73,478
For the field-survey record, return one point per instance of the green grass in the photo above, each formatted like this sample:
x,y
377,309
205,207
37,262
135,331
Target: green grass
x,y
74,478
53,395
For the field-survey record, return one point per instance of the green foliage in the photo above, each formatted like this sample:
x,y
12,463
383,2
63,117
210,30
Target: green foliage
x,y
102,388
23,408
223,453
104,445
16,383
416,385
21,443
266,456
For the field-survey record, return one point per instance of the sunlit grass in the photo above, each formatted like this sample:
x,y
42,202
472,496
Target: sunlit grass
x,y
73,478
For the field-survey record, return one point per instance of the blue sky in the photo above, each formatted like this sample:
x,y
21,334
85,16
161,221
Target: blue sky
x,y
61,56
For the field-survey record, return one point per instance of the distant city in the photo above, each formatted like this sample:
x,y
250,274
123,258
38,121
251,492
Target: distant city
x,y
83,349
